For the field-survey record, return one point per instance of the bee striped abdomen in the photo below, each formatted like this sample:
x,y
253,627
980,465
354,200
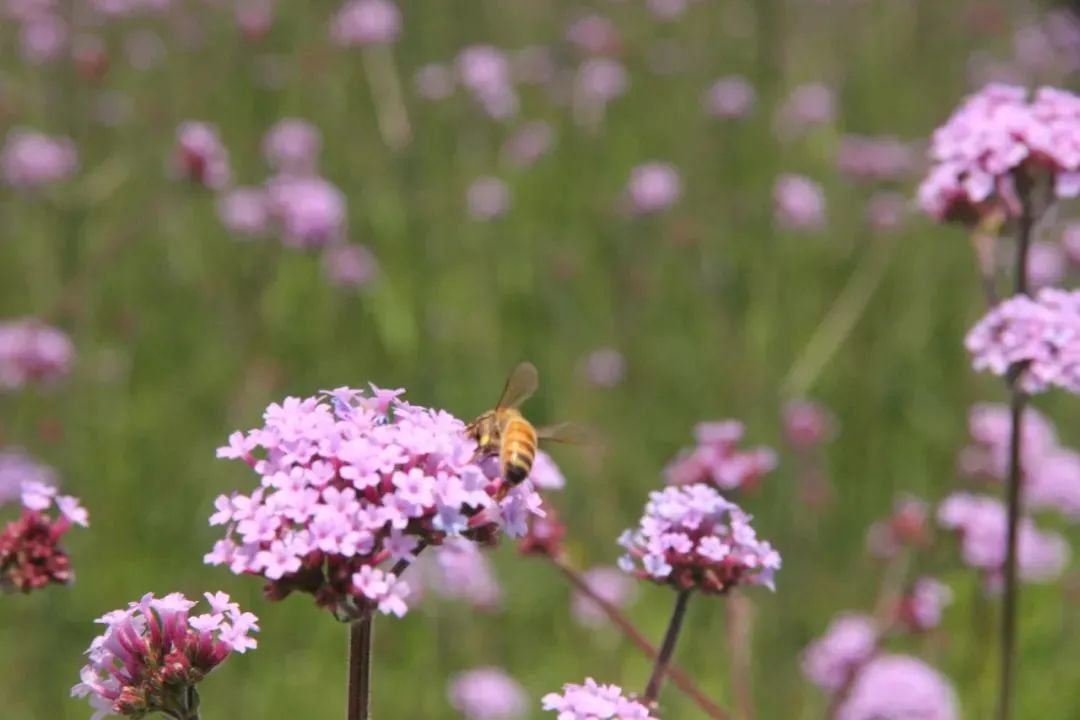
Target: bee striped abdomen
x,y
518,450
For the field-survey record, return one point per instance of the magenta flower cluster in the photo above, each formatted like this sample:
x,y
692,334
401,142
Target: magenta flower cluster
x,y
898,687
153,654
351,480
995,134
31,351
718,460
690,537
593,701
1038,337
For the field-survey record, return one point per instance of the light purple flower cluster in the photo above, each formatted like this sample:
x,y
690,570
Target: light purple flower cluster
x,y
30,159
730,97
798,203
17,468
153,654
599,81
457,570
718,460
350,480
487,198
690,537
485,72
994,134
1038,335
981,523
487,693
899,687
366,22
907,526
292,146
593,701
653,186
831,661
200,156
808,424
879,159
921,609
31,351
593,34
610,584
1046,264
306,211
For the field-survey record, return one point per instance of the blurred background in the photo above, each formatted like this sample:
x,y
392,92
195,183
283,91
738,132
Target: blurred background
x,y
679,210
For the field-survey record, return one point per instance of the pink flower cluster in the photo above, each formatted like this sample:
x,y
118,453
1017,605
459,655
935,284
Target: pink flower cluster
x,y
350,480
485,72
921,608
457,570
898,687
653,187
366,22
907,526
1038,335
717,459
487,693
153,654
798,203
808,424
593,701
831,661
30,159
730,97
292,147
981,523
200,156
995,134
31,351
690,537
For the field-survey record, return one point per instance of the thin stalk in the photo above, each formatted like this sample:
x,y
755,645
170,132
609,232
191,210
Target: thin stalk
x,y
739,624
679,677
390,113
667,649
360,667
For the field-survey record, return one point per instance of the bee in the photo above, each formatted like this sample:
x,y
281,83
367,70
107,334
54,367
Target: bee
x,y
504,432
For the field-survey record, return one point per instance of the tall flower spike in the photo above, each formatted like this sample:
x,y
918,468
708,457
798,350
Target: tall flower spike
x,y
692,538
153,654
593,701
350,481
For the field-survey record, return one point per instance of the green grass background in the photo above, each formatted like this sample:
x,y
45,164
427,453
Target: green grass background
x,y
184,334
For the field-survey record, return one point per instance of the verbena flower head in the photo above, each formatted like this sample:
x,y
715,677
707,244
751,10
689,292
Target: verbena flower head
x,y
808,423
899,687
920,609
30,159
244,212
995,134
601,80
907,526
366,22
349,265
1040,336
981,523
653,187
690,537
529,143
306,211
604,367
154,652
292,146
485,72
200,156
487,693
594,34
350,481
31,351
609,583
798,203
17,469
487,198
593,701
545,536
43,38
457,570
833,659
730,97
717,459
808,105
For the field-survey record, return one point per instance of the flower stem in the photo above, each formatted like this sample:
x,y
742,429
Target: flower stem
x,y
679,677
739,624
360,667
652,690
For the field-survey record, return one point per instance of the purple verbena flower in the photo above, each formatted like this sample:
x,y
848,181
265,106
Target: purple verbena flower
x,y
604,367
200,156
244,212
291,147
487,693
808,423
31,351
730,97
653,187
921,608
307,211
798,203
349,265
487,198
898,687
717,459
593,701
833,659
366,22
30,159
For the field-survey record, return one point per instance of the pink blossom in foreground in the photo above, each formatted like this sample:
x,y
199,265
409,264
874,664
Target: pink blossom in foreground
x,y
349,265
244,212
605,367
487,693
609,583
907,526
717,459
593,701
291,147
307,211
30,159
487,198
200,156
798,203
653,187
1041,335
730,97
833,659
995,134
875,158
898,687
921,608
1046,264
350,481
32,352
981,524
690,537
808,423
153,654
366,22
545,474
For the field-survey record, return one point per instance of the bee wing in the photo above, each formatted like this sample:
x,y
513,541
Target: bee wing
x,y
520,386
568,432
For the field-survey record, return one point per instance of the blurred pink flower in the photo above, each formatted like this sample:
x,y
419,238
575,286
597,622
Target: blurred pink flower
x,y
487,693
604,367
529,143
254,18
730,97
1070,241
799,203
200,156
717,459
593,701
878,159
43,38
920,609
487,198
17,469
609,583
653,186
349,265
485,71
907,526
808,423
458,570
434,82
31,351
898,687
1046,264
594,34
244,212
600,80
833,659
30,159
366,22
667,9
808,105
291,147
545,474
307,211
886,211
